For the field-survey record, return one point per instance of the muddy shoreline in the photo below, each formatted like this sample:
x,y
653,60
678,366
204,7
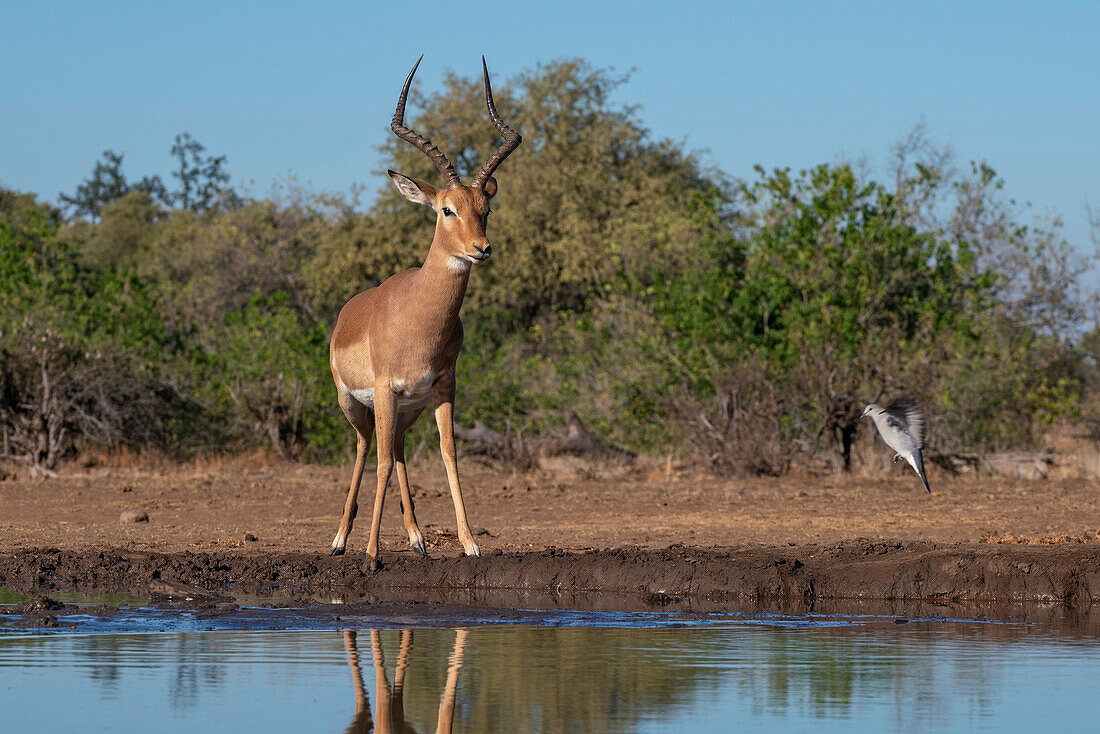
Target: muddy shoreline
x,y
1065,574
629,540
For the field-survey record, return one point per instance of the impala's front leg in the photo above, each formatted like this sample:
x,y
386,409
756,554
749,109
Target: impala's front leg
x,y
443,393
385,427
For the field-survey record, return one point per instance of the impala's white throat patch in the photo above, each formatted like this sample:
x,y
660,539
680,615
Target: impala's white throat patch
x,y
458,265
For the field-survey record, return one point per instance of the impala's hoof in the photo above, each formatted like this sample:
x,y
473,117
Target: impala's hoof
x,y
416,542
472,549
334,551
373,564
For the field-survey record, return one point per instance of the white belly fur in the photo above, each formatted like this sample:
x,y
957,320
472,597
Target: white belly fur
x,y
409,397
366,397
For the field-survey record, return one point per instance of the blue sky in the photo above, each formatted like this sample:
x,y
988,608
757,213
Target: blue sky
x,y
308,89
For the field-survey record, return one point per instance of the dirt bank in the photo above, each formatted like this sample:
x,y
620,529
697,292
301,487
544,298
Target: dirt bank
x,y
856,570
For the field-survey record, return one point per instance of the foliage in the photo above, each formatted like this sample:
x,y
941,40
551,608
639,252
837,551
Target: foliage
x,y
203,182
585,192
844,298
21,210
271,380
80,349
108,183
673,308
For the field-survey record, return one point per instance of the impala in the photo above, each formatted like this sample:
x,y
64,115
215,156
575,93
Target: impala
x,y
394,346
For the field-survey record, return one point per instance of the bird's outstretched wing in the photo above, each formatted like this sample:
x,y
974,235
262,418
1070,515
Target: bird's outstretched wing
x,y
904,415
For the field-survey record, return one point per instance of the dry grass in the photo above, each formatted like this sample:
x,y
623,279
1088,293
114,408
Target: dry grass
x,y
994,537
127,460
1077,452
1077,456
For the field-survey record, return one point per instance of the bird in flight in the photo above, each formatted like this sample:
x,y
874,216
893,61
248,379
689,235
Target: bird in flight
x,y
901,425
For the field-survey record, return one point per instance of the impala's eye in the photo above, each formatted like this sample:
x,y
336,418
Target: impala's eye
x,y
447,212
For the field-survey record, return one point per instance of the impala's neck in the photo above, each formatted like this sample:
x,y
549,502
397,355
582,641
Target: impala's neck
x,y
441,286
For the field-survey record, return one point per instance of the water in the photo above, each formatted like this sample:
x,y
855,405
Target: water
x,y
567,672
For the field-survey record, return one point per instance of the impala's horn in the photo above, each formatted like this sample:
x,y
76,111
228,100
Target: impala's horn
x,y
512,139
409,135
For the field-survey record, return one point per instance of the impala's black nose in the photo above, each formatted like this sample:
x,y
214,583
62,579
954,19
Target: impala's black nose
x,y
482,255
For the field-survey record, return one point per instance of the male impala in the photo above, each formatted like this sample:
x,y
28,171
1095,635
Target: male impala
x,y
394,347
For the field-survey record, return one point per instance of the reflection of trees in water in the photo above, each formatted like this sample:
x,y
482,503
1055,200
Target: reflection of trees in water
x,y
99,655
108,660
193,657
823,673
517,679
191,665
520,678
108,674
105,652
526,678
192,660
812,672
584,679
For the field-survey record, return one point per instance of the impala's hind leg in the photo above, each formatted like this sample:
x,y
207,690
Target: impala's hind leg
x,y
416,538
362,419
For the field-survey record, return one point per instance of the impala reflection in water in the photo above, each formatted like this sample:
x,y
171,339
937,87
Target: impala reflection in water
x,y
389,710
804,674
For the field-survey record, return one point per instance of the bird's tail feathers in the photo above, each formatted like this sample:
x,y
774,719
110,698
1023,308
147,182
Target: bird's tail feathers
x,y
918,464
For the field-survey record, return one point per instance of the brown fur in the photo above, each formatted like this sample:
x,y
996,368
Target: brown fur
x,y
394,347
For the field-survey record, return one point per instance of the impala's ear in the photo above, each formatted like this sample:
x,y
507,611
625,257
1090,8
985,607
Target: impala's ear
x,y
490,187
415,190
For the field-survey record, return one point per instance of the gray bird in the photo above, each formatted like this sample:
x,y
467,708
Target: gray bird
x,y
901,425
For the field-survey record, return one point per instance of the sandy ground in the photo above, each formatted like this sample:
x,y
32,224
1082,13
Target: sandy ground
x,y
297,507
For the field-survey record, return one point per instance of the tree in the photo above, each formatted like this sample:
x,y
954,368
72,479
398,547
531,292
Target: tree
x,y
273,369
850,292
671,307
588,197
203,180
20,210
830,296
106,184
571,199
125,233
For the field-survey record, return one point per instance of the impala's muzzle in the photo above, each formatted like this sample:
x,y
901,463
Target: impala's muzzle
x,y
482,254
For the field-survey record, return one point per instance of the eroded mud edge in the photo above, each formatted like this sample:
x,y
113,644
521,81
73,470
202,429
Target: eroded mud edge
x,y
854,570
